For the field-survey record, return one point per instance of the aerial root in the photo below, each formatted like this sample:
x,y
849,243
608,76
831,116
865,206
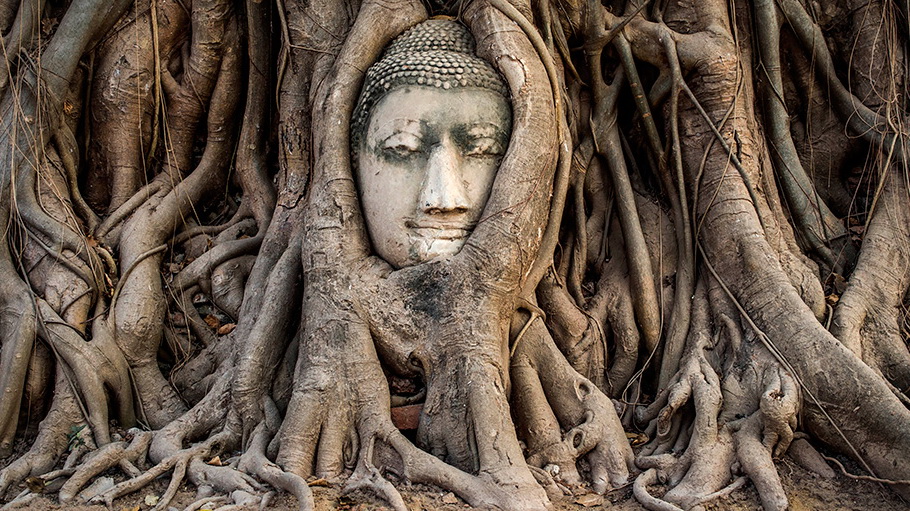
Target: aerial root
x,y
694,373
546,447
705,465
756,461
96,366
712,450
768,432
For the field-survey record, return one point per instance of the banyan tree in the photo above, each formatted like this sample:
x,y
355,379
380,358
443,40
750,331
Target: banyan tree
x,y
527,231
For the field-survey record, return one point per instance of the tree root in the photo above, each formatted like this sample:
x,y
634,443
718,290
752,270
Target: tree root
x,y
53,437
651,503
254,461
564,400
867,316
728,394
104,458
178,462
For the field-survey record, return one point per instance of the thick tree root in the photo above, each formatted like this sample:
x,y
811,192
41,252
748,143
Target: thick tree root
x,y
254,461
549,397
52,440
867,317
339,421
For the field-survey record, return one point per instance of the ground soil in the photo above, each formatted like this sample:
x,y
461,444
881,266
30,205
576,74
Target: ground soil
x,y
806,491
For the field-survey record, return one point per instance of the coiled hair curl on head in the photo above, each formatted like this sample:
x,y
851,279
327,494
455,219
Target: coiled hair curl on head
x,y
436,53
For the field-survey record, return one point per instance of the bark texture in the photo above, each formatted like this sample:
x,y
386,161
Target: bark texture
x,y
698,241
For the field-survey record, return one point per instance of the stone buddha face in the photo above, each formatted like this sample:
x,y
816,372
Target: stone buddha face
x,y
429,146
426,166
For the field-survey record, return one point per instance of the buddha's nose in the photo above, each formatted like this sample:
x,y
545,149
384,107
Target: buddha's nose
x,y
443,190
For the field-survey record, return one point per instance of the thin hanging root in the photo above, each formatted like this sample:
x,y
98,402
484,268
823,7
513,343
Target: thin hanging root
x,y
685,279
858,117
812,216
651,503
606,130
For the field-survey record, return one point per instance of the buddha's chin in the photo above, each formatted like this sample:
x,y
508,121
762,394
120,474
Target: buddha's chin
x,y
425,249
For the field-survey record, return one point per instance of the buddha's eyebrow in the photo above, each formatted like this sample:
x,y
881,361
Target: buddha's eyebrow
x,y
399,125
484,129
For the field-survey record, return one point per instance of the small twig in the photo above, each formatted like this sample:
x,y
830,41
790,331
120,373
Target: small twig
x,y
864,477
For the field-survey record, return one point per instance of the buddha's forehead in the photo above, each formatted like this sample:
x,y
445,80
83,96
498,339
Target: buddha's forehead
x,y
415,108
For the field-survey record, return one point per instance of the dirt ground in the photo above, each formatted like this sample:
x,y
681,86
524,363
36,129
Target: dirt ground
x,y
806,490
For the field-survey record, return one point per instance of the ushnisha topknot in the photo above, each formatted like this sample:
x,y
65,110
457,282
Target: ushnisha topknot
x,y
436,53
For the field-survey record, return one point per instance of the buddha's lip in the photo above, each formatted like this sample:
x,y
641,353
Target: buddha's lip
x,y
451,231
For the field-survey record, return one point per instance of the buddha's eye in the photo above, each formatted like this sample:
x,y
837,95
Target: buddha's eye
x,y
484,146
402,145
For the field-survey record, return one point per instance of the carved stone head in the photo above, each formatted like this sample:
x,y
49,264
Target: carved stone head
x,y
428,134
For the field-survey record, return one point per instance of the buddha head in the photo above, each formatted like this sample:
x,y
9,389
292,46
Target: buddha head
x,y
428,134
